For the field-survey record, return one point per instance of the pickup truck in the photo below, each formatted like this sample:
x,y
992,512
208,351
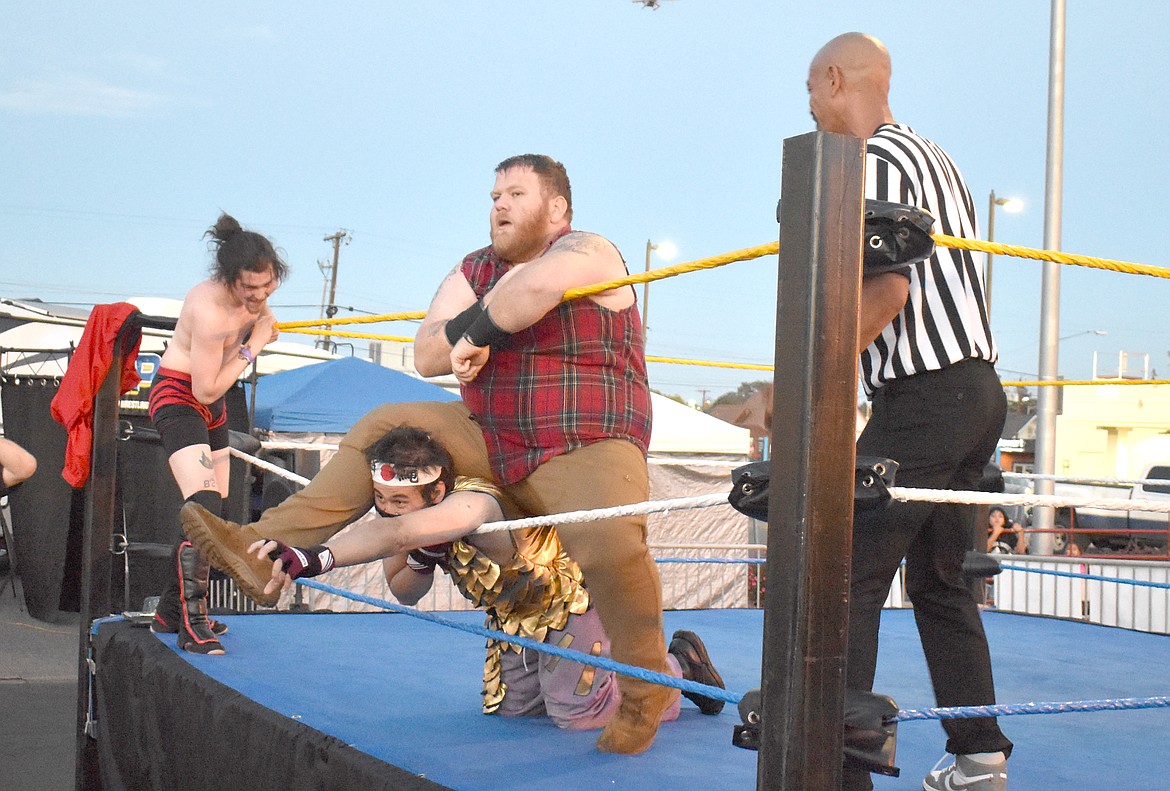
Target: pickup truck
x,y
1111,530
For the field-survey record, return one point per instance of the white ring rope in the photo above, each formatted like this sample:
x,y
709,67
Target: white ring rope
x,y
906,494
1101,481
578,517
289,445
902,494
264,465
899,493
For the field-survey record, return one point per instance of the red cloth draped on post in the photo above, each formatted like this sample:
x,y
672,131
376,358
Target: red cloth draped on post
x,y
72,407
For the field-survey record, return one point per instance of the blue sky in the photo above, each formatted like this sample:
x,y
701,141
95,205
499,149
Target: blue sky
x,y
126,128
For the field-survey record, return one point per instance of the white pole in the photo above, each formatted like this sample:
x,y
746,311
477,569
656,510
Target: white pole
x,y
1050,286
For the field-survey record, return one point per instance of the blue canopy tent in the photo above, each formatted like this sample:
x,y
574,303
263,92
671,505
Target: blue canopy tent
x,y
329,397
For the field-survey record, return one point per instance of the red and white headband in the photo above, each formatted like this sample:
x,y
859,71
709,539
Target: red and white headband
x,y
386,474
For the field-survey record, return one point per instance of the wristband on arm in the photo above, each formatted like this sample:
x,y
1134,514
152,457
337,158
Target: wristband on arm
x,y
458,325
246,354
300,562
424,559
483,331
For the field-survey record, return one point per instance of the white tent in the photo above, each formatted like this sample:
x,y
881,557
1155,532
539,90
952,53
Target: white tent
x,y
678,429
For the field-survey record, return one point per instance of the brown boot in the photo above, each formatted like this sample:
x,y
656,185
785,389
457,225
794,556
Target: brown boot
x,y
634,726
226,545
696,665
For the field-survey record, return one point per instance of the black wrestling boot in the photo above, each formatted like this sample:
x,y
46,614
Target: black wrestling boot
x,y
169,612
195,631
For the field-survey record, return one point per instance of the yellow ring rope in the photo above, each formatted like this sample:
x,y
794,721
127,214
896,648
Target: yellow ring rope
x,y
1077,382
709,363
1050,255
772,248
410,315
746,254
342,334
759,251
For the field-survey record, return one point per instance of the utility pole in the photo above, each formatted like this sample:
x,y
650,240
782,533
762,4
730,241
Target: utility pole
x,y
329,309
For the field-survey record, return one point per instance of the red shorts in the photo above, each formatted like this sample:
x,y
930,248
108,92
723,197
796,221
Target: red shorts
x,y
179,417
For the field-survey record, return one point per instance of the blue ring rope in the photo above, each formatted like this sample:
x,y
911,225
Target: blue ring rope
x,y
1029,569
605,663
1008,709
940,713
1076,575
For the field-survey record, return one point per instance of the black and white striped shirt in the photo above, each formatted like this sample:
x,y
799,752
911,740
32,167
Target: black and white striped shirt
x,y
945,318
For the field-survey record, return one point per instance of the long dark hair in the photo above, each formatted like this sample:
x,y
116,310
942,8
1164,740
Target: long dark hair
x,y
237,250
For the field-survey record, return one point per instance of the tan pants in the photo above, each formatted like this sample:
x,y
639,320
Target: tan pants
x,y
621,576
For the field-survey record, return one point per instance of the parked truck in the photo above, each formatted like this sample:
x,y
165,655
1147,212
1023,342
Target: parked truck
x,y
1109,530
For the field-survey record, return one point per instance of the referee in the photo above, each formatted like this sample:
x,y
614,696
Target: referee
x,y
927,360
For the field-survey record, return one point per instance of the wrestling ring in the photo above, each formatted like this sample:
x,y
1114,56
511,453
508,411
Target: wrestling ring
x,y
416,704
389,698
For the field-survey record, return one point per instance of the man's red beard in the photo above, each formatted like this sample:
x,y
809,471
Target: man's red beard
x,y
525,239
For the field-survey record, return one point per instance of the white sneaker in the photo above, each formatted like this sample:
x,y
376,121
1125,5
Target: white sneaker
x,y
967,775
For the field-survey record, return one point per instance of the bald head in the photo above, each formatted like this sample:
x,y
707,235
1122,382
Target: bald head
x,y
857,54
849,85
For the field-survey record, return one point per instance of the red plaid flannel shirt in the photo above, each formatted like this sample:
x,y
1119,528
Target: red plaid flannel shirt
x,y
575,377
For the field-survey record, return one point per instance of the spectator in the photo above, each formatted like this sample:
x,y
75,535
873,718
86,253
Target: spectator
x,y
1003,535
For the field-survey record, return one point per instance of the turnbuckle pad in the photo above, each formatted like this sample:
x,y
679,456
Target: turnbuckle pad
x,y
871,730
894,237
872,477
980,564
747,734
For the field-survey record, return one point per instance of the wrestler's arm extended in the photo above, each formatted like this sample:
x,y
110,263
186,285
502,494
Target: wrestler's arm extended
x,y
526,293
432,349
456,516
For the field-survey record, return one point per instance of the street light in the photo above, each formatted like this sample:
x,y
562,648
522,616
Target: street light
x,y
1012,205
666,251
1061,339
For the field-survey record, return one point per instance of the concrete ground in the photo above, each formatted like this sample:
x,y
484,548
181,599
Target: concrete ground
x,y
38,697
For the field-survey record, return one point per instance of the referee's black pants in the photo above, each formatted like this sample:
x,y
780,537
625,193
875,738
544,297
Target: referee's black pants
x,y
942,428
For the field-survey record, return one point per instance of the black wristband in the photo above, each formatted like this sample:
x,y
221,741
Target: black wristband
x,y
484,332
458,325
